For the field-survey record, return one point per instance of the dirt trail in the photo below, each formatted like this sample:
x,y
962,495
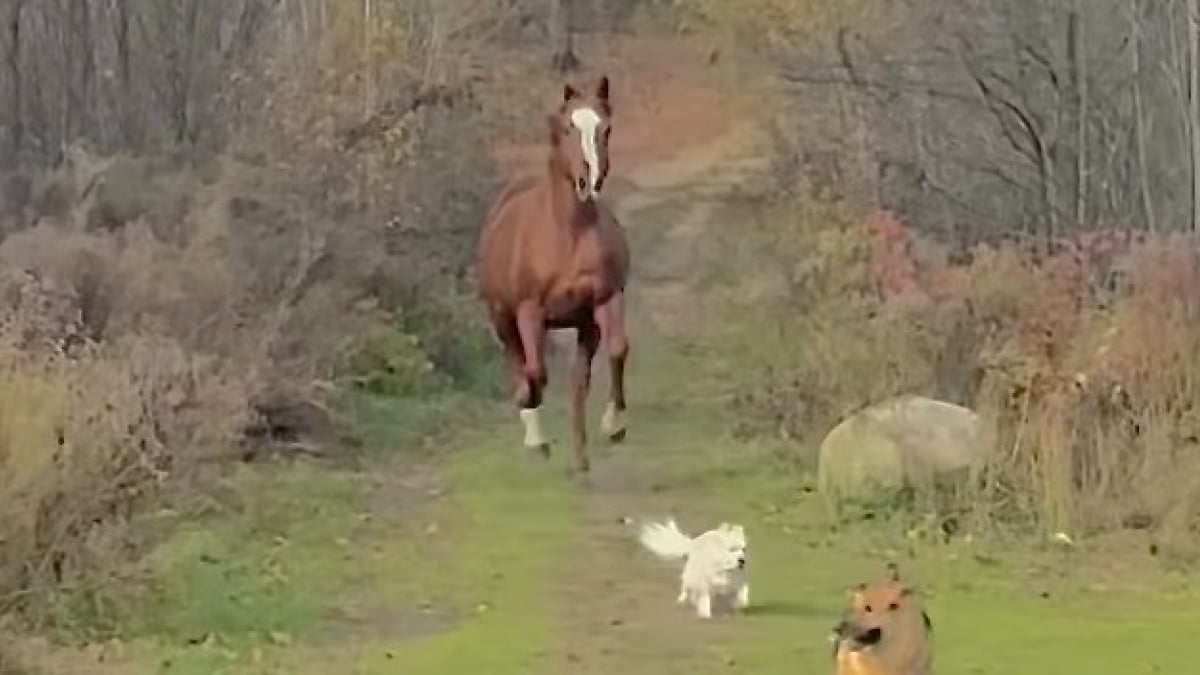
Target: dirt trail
x,y
618,603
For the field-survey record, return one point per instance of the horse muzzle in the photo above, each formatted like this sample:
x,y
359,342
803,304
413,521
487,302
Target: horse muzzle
x,y
582,190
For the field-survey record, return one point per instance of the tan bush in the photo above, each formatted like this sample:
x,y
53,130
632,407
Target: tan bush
x,y
83,441
160,312
1085,381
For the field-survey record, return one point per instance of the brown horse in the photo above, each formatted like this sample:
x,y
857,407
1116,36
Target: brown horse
x,y
553,256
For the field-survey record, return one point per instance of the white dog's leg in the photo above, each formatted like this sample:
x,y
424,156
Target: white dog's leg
x,y
683,594
704,606
743,596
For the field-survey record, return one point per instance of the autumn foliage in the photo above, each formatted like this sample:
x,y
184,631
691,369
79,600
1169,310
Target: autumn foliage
x,y
165,308
1081,358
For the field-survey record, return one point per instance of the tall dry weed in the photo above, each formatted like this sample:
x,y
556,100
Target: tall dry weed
x,y
1081,362
156,312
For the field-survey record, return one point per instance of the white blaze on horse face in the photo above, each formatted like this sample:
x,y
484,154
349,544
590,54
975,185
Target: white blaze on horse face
x,y
587,121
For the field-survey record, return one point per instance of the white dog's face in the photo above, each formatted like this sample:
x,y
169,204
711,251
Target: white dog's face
x,y
733,546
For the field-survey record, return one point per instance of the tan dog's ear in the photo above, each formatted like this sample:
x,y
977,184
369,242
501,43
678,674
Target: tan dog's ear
x,y
855,593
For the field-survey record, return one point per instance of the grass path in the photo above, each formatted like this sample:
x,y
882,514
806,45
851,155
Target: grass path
x,y
484,560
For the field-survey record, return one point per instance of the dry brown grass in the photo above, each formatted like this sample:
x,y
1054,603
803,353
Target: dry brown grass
x,y
1083,361
156,313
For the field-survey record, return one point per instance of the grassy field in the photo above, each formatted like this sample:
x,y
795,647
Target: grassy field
x,y
463,554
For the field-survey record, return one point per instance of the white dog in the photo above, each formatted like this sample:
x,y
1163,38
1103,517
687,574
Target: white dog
x,y
715,563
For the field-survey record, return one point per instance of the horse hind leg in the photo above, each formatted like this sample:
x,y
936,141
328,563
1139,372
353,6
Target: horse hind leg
x,y
611,319
588,341
531,331
523,394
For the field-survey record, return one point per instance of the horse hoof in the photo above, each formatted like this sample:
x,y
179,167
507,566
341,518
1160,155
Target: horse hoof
x,y
581,475
541,450
617,437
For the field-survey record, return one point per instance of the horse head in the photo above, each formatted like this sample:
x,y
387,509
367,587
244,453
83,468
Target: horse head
x,y
579,133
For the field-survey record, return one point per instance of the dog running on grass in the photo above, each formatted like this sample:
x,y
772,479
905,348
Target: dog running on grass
x,y
885,631
714,563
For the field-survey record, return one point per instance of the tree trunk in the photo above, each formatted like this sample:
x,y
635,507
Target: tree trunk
x,y
563,60
1139,125
1194,106
128,101
16,120
1079,68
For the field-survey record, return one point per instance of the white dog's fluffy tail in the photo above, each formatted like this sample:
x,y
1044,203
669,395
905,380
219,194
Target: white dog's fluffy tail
x,y
665,540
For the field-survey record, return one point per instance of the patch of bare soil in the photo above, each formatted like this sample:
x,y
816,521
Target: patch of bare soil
x,y
618,602
661,102
21,655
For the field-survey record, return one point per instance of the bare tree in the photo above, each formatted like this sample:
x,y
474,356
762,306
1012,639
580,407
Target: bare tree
x,y
560,21
12,59
1049,116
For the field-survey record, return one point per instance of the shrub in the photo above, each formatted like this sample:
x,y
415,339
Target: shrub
x,y
171,307
1079,360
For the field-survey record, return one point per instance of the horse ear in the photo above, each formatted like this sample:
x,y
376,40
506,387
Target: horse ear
x,y
569,92
602,88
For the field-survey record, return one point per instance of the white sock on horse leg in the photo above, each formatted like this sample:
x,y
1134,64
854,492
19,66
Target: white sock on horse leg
x,y
531,418
612,423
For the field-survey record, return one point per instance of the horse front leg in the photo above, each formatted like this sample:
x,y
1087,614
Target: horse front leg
x,y
611,318
588,342
532,331
522,393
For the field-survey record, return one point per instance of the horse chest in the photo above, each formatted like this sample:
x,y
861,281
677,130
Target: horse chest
x,y
572,295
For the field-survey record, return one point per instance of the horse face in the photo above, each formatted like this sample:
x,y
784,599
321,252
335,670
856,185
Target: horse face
x,y
586,125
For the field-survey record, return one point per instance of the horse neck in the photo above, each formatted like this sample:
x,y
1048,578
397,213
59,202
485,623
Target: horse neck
x,y
569,212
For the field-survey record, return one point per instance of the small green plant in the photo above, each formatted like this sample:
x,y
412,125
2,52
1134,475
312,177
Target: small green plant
x,y
389,362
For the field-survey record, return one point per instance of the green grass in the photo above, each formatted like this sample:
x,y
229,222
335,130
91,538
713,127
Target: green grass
x,y
986,600
447,551
484,547
265,581
259,571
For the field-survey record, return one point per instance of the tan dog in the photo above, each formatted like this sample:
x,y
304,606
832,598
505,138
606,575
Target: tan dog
x,y
885,631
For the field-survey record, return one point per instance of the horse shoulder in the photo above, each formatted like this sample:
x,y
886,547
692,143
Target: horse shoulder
x,y
517,188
